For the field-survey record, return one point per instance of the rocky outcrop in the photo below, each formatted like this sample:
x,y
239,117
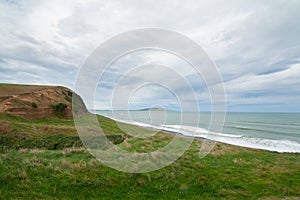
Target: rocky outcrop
x,y
41,102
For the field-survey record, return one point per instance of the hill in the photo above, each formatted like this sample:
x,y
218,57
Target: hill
x,y
43,158
38,101
152,109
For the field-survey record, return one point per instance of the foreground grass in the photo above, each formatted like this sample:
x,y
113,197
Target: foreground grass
x,y
75,174
43,166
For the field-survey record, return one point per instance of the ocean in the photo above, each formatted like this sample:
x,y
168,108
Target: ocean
x,y
270,131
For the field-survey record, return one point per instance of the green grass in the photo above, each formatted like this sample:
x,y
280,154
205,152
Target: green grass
x,y
39,164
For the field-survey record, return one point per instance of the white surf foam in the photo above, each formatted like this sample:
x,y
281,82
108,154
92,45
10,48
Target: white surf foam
x,y
195,131
238,140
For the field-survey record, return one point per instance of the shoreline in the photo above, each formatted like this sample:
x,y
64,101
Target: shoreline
x,y
169,131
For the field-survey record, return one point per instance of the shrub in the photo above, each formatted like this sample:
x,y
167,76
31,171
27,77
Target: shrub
x,y
34,105
60,107
70,93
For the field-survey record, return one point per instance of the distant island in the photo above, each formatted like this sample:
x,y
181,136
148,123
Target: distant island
x,y
142,109
153,109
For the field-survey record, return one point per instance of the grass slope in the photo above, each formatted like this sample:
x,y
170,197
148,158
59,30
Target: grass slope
x,y
15,89
44,159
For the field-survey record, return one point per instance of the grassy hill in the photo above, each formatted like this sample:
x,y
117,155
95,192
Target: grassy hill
x,y
45,159
16,89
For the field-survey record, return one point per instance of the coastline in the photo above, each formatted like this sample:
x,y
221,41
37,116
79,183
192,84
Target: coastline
x,y
44,158
217,138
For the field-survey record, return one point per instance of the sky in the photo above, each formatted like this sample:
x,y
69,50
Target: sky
x,y
255,46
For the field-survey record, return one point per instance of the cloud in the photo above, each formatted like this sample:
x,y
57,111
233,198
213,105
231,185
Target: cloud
x,y
255,45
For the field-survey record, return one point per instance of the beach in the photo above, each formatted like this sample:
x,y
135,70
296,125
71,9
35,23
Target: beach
x,y
279,132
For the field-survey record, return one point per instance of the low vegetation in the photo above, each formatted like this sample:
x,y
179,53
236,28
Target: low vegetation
x,y
45,159
34,105
59,108
16,89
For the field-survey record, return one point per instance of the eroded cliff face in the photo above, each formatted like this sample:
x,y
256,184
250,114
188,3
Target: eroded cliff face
x,y
39,102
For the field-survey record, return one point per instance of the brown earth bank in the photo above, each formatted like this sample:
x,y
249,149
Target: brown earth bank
x,y
33,102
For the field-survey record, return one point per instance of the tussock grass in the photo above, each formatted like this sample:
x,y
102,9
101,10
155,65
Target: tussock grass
x,y
68,151
238,174
14,89
55,167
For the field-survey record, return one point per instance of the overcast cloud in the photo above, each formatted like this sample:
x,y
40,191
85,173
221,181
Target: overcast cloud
x,y
254,44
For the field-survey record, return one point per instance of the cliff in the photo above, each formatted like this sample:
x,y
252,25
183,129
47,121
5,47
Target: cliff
x,y
32,102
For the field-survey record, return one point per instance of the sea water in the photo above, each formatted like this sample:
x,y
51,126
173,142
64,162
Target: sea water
x,y
270,131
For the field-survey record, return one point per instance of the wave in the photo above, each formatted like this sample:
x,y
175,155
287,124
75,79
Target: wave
x,y
281,124
282,146
239,140
196,131
261,124
289,132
